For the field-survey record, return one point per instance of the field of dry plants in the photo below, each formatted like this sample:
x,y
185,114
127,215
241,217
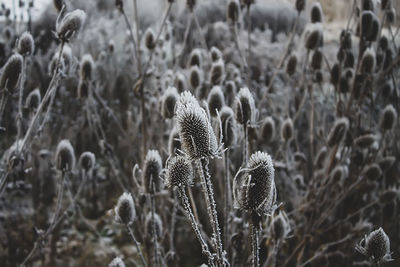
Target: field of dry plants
x,y
200,133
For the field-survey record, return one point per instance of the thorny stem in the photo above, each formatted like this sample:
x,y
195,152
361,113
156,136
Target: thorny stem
x,y
255,245
21,93
137,244
189,213
153,226
3,102
244,65
312,125
228,194
245,144
3,182
211,208
135,54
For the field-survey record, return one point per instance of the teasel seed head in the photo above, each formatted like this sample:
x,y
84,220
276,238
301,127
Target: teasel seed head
x,y
316,59
11,72
369,26
158,225
196,77
388,118
87,161
174,143
233,11
195,58
244,106
26,45
316,14
268,130
338,131
86,68
391,15
314,38
217,72
368,62
230,92
150,39
70,25
169,100
151,172
66,58
58,4
345,40
387,89
367,5
228,126
291,65
65,156
320,157
372,172
335,75
300,5
215,100
125,212
179,172
338,174
191,4
117,262
180,82
365,141
32,101
376,246
215,54
195,131
386,4
287,130
386,162
280,226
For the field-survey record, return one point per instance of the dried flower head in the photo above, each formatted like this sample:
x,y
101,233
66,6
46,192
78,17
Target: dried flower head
x,y
32,101
376,246
365,141
316,59
87,161
316,13
287,130
300,5
254,187
215,100
65,156
388,118
215,54
26,45
217,72
195,58
195,77
150,39
70,25
291,65
370,26
267,130
232,12
191,4
314,37
169,100
280,226
228,127
151,172
125,209
244,106
117,262
372,172
179,172
157,223
174,143
11,72
195,131
180,82
367,65
86,68
338,131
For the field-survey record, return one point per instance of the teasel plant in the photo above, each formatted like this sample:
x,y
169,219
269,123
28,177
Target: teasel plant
x,y
199,144
255,192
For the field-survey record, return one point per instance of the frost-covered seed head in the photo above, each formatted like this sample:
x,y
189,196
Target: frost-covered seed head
x,y
215,100
316,13
215,54
26,45
65,156
268,130
150,39
280,227
87,161
300,5
117,262
335,75
386,162
372,172
320,157
376,246
338,131
125,209
232,12
244,106
316,59
11,72
291,65
33,100
314,38
338,174
157,222
365,141
367,65
179,172
391,15
195,58
196,77
195,131
217,72
287,130
388,118
151,172
228,127
86,68
70,24
169,100
180,82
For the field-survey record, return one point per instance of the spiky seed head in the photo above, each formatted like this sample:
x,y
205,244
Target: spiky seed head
x,y
367,65
117,262
217,72
300,5
11,72
316,13
32,101
367,5
233,11
244,106
386,162
376,246
191,4
338,131
195,78
300,157
387,89
335,75
65,156
174,143
151,172
86,68
179,172
157,223
291,65
337,174
287,130
314,38
349,59
149,39
365,141
383,43
280,226
316,59
195,58
87,161
386,4
388,118
58,4
180,82
391,15
345,40
169,100
230,91
70,25
228,127
215,100
369,26
372,172
215,54
26,45
320,157
195,131
125,209
268,130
